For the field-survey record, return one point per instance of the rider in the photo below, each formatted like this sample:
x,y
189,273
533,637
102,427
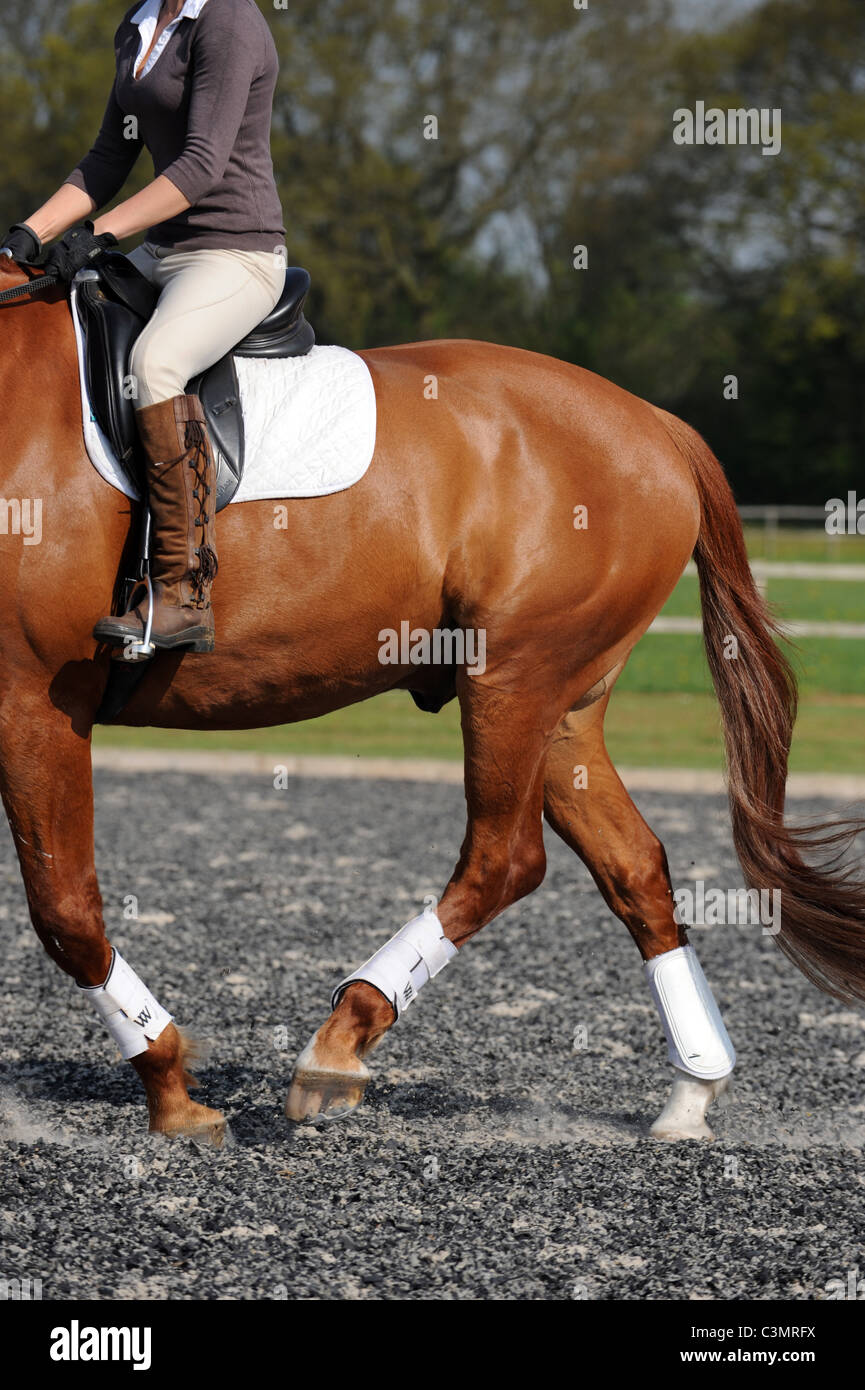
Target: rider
x,y
195,84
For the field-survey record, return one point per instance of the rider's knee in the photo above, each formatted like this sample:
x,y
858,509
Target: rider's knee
x,y
151,375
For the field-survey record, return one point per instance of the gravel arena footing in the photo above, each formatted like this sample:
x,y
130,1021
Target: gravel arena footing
x,y
502,1150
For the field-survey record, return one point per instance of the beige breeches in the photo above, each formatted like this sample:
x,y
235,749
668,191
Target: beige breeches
x,y
209,300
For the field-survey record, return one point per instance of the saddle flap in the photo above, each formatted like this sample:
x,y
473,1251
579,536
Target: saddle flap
x,y
110,330
219,393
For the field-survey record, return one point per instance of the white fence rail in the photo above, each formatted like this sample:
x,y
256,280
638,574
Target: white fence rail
x,y
763,571
772,517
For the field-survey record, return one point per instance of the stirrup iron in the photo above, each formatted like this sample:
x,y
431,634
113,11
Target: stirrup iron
x,y
145,649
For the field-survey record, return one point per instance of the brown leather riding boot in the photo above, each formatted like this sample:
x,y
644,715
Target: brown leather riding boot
x,y
181,487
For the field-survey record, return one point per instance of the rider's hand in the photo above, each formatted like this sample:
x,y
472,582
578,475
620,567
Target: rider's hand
x,y
22,241
77,249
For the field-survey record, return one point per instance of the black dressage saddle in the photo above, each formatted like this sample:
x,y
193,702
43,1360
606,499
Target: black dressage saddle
x,y
115,301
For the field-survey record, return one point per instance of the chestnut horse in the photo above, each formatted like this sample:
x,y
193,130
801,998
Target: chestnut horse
x,y
524,497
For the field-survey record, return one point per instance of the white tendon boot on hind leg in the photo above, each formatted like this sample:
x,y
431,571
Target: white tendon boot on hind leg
x,y
697,1042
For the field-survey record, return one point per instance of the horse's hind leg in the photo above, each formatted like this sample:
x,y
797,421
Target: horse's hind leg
x,y
46,783
593,813
502,859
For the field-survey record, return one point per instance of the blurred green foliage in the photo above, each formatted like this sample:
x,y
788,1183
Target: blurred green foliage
x,y
554,129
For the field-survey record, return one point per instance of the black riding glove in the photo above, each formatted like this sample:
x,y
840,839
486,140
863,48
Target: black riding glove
x,y
23,242
77,249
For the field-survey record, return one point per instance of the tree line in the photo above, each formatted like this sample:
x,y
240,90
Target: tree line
x,y
515,170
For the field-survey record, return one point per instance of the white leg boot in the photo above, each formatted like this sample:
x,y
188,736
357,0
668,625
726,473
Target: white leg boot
x,y
698,1044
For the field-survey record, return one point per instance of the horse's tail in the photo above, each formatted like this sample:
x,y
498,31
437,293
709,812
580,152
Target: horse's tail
x,y
822,905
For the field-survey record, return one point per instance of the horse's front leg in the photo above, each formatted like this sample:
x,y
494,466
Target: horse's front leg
x,y
46,783
330,1077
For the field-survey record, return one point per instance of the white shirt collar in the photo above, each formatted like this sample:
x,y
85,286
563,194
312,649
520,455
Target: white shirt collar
x,y
150,10
146,18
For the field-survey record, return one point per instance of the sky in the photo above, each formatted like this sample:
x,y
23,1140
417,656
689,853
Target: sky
x,y
719,11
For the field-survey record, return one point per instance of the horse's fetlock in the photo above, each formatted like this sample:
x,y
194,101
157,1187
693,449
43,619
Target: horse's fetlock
x,y
360,1018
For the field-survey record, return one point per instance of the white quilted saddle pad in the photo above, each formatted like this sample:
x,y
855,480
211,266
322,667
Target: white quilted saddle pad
x,y
309,423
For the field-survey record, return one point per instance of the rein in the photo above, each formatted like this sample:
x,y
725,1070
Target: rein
x,y
43,282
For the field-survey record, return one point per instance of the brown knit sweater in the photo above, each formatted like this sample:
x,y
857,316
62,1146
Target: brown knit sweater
x,y
204,112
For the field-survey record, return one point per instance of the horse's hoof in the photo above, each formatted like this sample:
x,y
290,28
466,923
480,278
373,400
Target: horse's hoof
x,y
324,1095
684,1115
212,1136
321,1092
672,1133
209,1131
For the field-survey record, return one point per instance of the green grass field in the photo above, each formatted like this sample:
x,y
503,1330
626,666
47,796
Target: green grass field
x,y
825,600
644,729
667,662
796,543
663,712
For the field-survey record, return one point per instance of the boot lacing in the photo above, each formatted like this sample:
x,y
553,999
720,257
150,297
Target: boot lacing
x,y
196,440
